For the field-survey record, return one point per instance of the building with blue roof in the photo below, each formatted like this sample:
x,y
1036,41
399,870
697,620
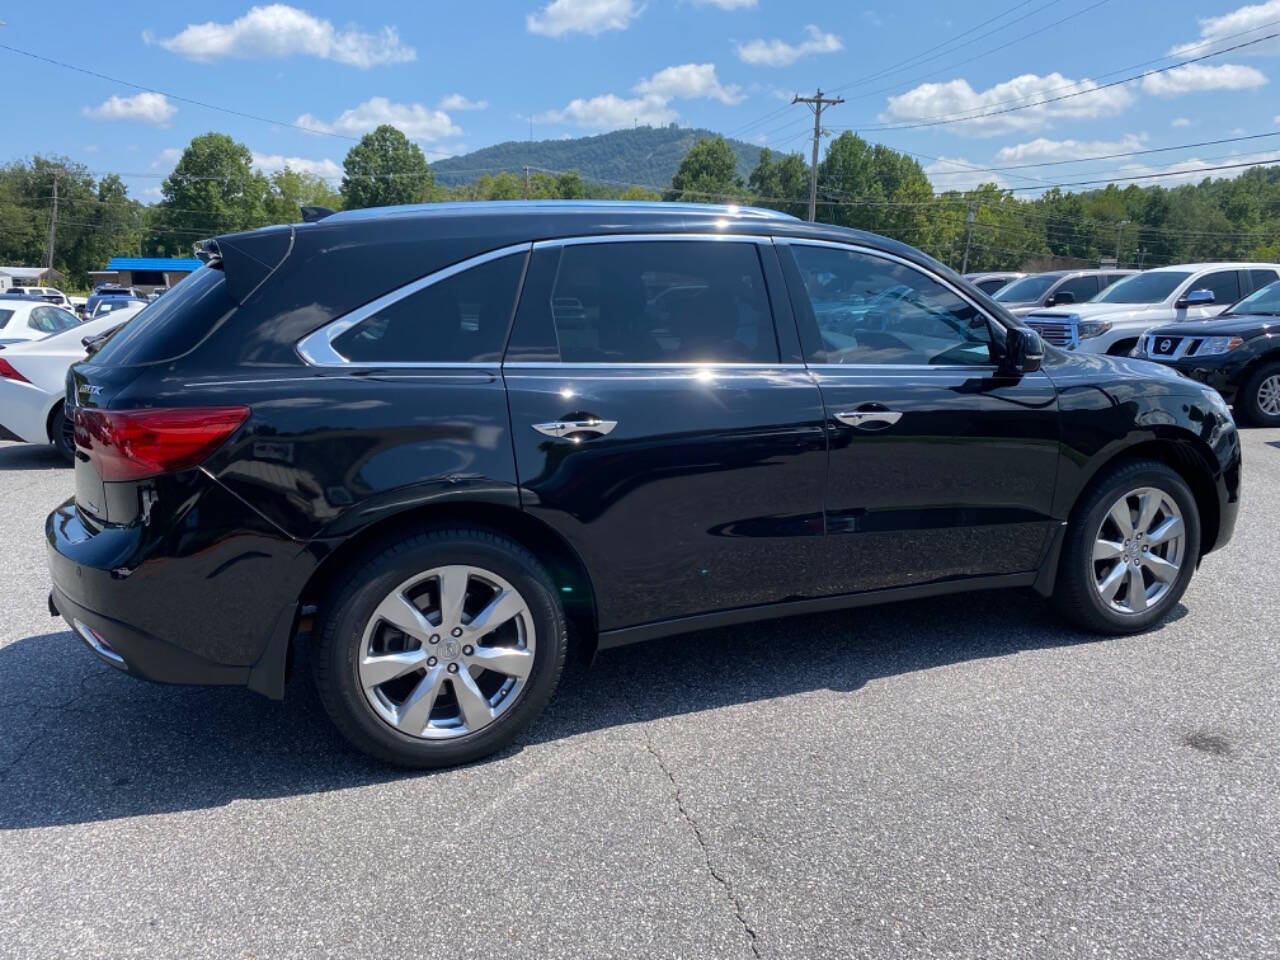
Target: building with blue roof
x,y
144,273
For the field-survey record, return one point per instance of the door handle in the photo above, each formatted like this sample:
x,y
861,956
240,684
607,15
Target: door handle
x,y
562,428
867,418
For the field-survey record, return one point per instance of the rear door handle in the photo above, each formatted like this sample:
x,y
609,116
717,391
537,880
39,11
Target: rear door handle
x,y
869,418
563,428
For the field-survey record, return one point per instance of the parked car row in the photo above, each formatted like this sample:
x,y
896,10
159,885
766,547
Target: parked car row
x,y
427,440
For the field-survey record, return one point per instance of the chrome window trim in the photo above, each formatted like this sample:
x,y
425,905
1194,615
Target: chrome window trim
x,y
758,239
659,365
317,350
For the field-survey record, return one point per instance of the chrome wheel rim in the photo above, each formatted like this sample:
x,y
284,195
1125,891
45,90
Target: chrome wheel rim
x,y
1138,551
1269,395
447,652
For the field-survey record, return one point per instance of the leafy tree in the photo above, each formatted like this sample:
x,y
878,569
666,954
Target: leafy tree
x,y
639,193
385,168
782,184
708,174
290,190
213,189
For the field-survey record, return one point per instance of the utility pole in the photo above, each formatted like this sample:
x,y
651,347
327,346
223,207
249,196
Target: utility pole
x,y
53,222
968,237
1119,233
526,181
815,103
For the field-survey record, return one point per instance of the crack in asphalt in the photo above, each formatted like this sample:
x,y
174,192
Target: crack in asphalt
x,y
753,940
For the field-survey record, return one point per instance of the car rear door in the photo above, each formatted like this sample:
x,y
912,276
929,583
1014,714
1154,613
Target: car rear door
x,y
940,466
662,427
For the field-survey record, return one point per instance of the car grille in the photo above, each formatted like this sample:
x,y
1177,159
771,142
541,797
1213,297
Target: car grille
x,y
1060,333
1163,346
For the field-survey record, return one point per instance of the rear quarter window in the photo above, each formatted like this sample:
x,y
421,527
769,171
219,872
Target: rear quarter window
x,y
173,325
5,316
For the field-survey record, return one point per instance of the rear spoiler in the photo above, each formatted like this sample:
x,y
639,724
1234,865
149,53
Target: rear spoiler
x,y
247,259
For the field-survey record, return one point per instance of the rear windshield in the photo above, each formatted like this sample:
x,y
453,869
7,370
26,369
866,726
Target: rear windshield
x,y
1153,287
1025,290
174,324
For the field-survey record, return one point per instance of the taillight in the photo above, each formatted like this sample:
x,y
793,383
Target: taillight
x,y
7,371
135,444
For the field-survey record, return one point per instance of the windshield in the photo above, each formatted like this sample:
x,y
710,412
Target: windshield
x,y
1025,290
1153,287
1266,301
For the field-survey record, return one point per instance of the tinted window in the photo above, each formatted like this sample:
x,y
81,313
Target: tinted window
x,y
1266,300
460,319
4,317
990,286
1225,285
1261,278
1151,287
674,301
170,327
1026,290
51,320
1111,278
1081,288
870,310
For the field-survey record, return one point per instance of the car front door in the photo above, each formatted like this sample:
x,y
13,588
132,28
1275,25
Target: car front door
x,y
661,427
940,465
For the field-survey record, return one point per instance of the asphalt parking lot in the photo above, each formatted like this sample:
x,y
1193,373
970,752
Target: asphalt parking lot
x,y
962,777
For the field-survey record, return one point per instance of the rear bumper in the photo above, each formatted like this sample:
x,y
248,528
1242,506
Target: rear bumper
x,y
213,604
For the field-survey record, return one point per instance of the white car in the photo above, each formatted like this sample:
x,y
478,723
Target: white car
x,y
33,380
51,294
1113,321
22,320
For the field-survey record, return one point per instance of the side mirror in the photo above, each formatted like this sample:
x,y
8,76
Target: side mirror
x,y
1024,351
1065,296
1196,298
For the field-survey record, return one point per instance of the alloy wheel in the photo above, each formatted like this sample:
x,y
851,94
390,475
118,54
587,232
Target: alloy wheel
x,y
447,652
1138,550
1269,395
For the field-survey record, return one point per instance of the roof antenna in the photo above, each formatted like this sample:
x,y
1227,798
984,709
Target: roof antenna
x,y
312,214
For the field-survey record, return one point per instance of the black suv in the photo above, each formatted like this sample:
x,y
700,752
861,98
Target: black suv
x,y
438,440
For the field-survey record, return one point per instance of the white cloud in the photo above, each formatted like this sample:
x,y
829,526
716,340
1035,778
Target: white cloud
x,y
948,173
279,30
1198,77
1194,169
151,193
1044,149
153,108
1180,122
609,112
726,4
561,17
456,101
690,81
416,121
167,158
1243,20
931,101
271,162
779,53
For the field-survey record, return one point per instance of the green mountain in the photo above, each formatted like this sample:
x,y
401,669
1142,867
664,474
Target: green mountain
x,y
642,156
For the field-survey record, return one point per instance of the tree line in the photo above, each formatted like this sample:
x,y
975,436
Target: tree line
x,y
214,189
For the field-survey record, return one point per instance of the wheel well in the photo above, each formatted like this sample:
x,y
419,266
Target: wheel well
x,y
1121,348
48,421
1256,364
1183,458
562,562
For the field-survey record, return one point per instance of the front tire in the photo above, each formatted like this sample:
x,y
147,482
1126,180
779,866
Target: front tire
x,y
1131,547
440,648
61,434
1259,399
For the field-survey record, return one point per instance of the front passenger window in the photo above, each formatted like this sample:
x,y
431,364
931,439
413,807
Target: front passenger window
x,y
869,310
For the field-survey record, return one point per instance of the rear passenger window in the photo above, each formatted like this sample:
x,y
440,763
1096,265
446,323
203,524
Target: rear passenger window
x,y
1225,285
682,301
868,310
1261,278
50,320
460,319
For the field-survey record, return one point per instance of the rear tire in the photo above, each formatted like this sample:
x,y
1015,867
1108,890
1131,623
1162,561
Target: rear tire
x,y
483,652
1131,548
1258,402
61,435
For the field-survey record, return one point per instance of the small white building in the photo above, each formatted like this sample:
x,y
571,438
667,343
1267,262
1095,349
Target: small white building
x,y
29,277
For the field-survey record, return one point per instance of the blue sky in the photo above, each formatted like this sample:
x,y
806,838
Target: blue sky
x,y
459,76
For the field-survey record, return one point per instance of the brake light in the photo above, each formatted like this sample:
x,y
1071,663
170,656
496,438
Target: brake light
x,y
135,444
7,371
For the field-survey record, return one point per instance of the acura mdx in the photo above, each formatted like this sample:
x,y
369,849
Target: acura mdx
x,y
435,442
